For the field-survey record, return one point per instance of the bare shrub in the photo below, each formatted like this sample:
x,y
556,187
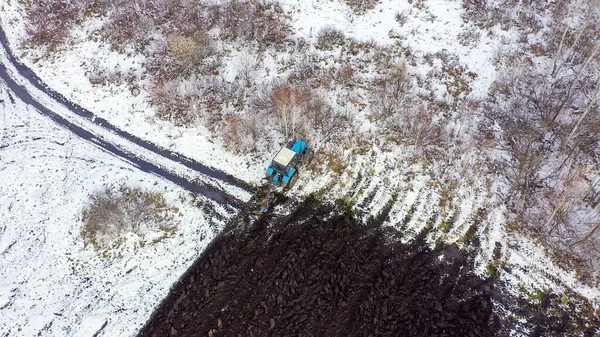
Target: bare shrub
x,y
304,68
159,62
181,57
545,118
469,37
178,91
527,16
390,92
261,96
307,72
224,93
243,133
51,21
246,68
404,117
136,23
254,21
416,127
104,77
323,123
116,214
198,99
345,75
174,103
329,38
485,13
370,49
130,24
402,17
361,6
323,78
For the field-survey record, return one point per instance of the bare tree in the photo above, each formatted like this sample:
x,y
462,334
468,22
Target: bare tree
x,y
246,68
546,119
285,104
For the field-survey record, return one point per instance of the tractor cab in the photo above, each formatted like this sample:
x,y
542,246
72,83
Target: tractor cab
x,y
283,171
283,168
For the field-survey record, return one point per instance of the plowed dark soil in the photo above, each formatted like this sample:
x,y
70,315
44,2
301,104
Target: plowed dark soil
x,y
319,273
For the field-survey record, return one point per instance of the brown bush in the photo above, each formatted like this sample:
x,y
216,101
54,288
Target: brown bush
x,y
286,102
51,21
184,49
329,38
243,133
114,213
302,110
390,92
253,21
361,6
189,52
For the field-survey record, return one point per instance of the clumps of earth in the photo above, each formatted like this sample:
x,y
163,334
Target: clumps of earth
x,y
316,272
321,272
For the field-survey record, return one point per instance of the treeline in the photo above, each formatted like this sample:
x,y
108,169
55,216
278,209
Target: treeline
x,y
543,115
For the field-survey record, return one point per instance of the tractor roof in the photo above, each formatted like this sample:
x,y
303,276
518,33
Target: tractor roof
x,y
285,156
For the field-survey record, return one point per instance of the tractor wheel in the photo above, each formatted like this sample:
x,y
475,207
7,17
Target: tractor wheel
x,y
308,158
292,181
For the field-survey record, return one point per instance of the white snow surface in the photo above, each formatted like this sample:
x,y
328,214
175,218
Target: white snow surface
x,y
67,73
435,28
50,285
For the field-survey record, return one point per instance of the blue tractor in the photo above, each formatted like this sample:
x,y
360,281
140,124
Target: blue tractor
x,y
283,171
284,167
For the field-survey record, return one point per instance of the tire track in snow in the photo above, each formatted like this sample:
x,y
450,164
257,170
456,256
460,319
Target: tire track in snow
x,y
145,165
134,160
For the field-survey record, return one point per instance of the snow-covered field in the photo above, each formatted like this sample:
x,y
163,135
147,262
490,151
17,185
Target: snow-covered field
x,y
50,285
68,75
428,31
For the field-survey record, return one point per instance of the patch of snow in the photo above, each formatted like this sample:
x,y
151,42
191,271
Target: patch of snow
x,y
50,284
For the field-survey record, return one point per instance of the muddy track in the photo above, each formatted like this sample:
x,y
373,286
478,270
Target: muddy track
x,y
144,165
